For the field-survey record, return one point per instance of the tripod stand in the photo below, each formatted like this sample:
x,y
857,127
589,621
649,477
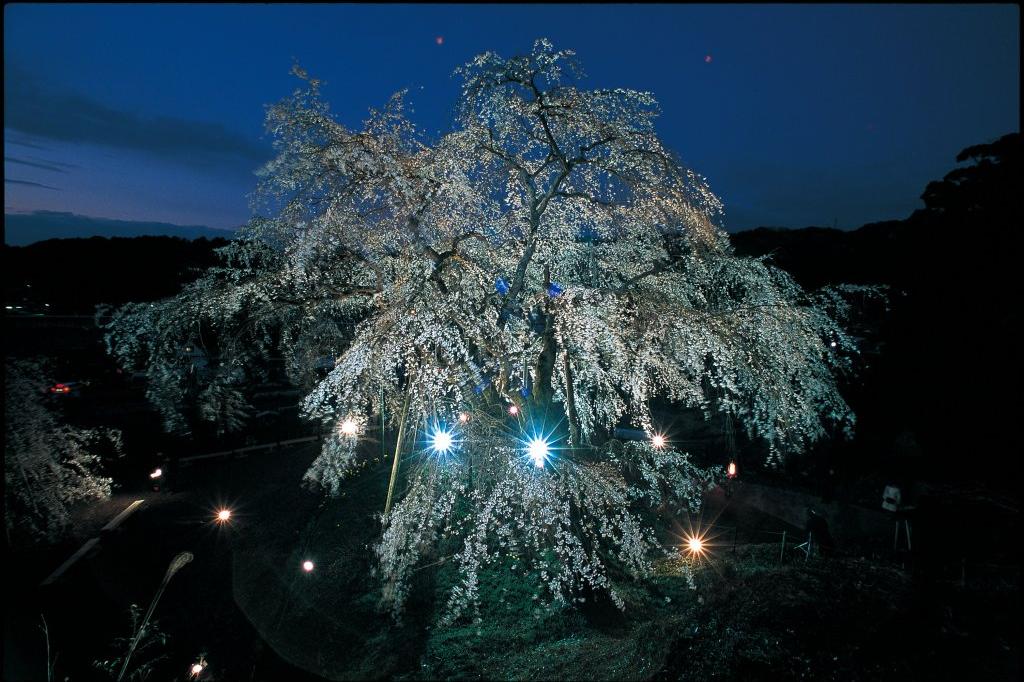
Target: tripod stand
x,y
902,516
806,547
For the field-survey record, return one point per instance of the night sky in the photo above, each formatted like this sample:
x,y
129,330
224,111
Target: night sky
x,y
798,114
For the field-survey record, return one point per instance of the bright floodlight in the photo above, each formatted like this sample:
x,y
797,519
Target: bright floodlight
x,y
833,344
224,515
307,566
695,544
513,410
658,440
348,428
197,668
157,473
537,449
442,441
732,469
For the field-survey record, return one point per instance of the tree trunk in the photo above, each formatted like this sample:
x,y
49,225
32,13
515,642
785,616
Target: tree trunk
x,y
546,361
543,391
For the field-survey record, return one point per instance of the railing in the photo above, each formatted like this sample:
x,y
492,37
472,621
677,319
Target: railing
x,y
84,322
244,452
727,538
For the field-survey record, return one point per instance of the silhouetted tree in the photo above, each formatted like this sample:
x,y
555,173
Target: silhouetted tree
x,y
987,193
49,466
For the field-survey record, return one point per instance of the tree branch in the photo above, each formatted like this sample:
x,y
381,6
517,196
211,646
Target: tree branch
x,y
587,197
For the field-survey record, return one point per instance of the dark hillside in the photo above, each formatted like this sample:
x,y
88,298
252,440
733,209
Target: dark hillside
x,y
101,270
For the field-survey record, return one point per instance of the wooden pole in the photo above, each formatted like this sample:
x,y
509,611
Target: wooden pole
x,y
382,422
398,450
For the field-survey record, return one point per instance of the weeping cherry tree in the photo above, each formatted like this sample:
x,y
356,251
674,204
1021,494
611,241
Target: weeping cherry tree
x,y
507,295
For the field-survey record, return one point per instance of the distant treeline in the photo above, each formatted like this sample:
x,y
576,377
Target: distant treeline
x,y
964,238
74,275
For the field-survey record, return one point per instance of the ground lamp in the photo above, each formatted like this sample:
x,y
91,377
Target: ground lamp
x,y
197,668
695,546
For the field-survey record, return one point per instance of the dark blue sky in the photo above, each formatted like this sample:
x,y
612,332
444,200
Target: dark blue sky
x,y
803,115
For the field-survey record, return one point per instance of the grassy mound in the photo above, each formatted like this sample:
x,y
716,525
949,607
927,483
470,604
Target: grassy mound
x,y
749,617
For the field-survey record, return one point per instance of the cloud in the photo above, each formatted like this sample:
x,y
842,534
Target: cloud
x,y
14,138
28,183
67,116
25,228
54,166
